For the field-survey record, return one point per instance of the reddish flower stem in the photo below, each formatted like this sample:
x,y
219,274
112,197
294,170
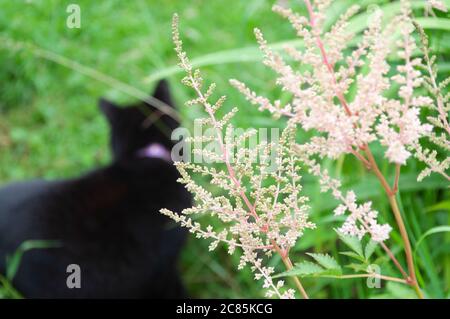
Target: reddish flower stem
x,y
411,278
287,262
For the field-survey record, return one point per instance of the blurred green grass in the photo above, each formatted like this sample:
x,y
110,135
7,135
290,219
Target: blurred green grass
x,y
50,125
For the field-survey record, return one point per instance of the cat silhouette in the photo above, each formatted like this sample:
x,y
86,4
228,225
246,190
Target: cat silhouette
x,y
106,222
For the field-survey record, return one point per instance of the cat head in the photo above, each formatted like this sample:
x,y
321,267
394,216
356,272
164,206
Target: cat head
x,y
140,129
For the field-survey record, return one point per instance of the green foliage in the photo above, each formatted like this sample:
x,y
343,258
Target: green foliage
x,y
353,243
396,291
370,249
359,254
130,41
434,230
325,266
325,261
13,264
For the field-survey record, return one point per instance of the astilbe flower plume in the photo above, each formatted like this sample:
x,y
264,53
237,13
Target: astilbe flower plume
x,y
439,118
321,92
263,211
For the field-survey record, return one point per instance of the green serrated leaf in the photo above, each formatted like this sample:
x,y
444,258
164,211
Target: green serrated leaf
x,y
302,269
310,269
352,242
353,255
325,261
370,249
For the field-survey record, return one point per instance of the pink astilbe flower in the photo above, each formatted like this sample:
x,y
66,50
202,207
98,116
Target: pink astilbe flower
x,y
319,94
320,101
361,218
366,216
341,96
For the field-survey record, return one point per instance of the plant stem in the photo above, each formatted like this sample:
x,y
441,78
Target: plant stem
x,y
387,278
288,263
412,280
394,260
388,252
408,251
377,172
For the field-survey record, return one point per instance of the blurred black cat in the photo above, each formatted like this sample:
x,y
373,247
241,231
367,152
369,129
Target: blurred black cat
x,y
107,222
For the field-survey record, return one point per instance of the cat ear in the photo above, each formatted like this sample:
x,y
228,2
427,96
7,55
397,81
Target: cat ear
x,y
108,108
162,93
